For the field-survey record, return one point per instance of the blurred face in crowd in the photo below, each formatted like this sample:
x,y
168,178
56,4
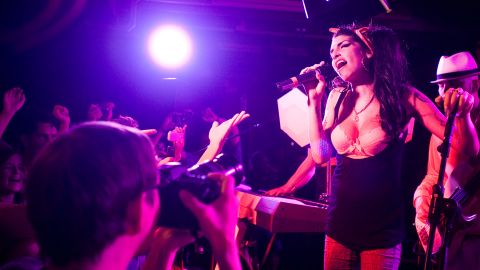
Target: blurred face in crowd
x,y
12,174
44,134
465,84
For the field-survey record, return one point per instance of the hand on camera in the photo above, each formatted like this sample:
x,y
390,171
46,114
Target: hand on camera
x,y
218,219
162,246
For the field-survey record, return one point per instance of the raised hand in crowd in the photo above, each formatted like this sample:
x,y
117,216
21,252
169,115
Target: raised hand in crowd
x,y
94,112
218,134
209,116
62,114
108,110
13,100
177,137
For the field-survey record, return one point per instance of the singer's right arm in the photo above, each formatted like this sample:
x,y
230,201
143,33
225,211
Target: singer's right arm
x,y
320,124
320,143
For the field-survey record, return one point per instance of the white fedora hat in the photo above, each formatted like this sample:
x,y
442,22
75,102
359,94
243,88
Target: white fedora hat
x,y
457,66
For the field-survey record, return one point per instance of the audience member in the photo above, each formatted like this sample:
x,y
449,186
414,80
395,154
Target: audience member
x,y
12,175
13,100
93,202
39,130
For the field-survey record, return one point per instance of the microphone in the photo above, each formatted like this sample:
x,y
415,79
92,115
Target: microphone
x,y
300,79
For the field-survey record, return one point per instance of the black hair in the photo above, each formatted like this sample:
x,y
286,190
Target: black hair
x,y
389,68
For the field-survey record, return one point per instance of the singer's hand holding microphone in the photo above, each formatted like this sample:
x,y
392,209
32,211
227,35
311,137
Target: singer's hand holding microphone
x,y
312,78
315,88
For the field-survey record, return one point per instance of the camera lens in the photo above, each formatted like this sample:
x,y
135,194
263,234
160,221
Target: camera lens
x,y
226,164
195,180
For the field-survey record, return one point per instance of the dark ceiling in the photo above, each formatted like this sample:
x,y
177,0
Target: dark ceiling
x,y
25,24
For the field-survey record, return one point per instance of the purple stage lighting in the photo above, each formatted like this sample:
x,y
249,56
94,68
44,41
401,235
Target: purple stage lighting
x,y
170,46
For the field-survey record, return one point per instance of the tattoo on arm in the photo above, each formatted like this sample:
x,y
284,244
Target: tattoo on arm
x,y
325,147
421,97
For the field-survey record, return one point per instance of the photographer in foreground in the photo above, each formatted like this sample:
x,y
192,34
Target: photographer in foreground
x,y
93,201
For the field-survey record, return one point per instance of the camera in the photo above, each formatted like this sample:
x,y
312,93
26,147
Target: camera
x,y
175,177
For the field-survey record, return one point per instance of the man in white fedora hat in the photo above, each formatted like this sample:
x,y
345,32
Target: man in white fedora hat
x,y
458,71
458,66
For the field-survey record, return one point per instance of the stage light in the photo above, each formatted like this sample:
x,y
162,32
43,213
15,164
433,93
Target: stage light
x,y
170,46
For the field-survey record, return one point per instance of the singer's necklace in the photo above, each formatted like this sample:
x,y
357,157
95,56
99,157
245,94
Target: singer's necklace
x,y
355,118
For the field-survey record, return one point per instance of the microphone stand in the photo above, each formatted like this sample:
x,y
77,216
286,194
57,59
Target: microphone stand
x,y
440,206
